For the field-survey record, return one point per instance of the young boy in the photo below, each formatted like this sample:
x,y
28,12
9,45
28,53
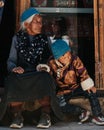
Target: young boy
x,y
73,79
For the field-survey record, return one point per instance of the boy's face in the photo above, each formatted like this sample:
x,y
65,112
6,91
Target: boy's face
x,y
65,59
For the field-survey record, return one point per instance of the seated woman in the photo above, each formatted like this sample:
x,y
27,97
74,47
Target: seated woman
x,y
24,83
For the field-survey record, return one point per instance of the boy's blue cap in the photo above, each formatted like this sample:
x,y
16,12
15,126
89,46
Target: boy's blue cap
x,y
59,48
28,13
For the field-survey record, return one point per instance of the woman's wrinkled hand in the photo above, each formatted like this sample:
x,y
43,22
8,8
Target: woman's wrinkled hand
x,y
18,70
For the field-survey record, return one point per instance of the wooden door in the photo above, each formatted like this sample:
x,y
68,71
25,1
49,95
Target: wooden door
x,y
20,5
99,43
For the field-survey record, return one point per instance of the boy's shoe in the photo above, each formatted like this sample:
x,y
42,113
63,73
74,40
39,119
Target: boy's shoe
x,y
98,120
17,122
84,116
45,121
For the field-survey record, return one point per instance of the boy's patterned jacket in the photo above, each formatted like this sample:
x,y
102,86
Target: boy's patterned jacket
x,y
71,76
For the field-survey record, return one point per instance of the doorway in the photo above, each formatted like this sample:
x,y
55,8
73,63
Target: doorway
x,y
7,29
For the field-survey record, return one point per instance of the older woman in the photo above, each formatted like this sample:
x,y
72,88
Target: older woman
x,y
25,83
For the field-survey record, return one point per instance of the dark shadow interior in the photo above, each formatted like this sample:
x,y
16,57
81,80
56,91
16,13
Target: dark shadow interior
x,y
7,28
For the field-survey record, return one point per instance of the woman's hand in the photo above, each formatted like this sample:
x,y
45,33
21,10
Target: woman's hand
x,y
18,70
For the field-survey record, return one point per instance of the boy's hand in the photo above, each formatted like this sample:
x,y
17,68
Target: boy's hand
x,y
92,89
43,67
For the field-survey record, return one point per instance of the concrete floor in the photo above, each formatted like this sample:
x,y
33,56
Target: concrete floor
x,y
69,124
64,126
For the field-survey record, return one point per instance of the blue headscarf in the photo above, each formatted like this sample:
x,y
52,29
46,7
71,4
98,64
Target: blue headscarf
x,y
59,48
28,13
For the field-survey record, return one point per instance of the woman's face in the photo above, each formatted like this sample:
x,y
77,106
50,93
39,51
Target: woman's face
x,y
35,26
65,59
